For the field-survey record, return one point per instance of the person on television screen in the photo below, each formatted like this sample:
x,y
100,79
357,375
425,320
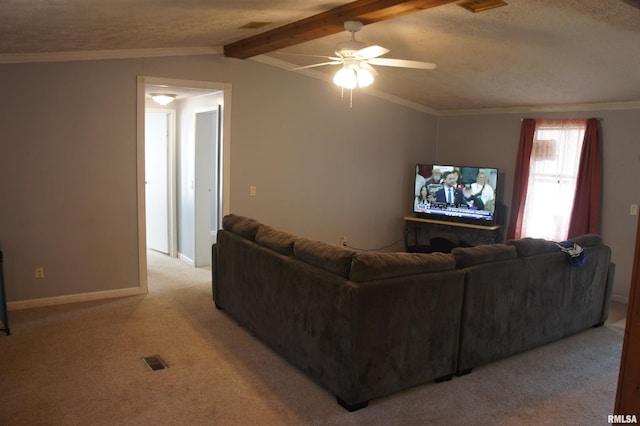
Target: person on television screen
x,y
421,200
420,180
449,193
481,188
435,178
474,202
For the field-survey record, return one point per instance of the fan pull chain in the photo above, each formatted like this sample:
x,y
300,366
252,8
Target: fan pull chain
x,y
350,96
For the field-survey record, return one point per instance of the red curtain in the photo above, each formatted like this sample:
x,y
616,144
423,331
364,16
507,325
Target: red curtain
x,y
585,216
521,178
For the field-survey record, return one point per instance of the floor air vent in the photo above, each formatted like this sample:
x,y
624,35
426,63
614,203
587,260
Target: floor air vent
x,y
154,363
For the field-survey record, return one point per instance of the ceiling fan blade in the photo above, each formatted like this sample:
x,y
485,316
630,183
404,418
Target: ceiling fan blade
x,y
387,62
333,58
371,52
317,65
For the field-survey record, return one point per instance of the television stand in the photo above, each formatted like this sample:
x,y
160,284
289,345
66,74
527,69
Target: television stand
x,y
419,233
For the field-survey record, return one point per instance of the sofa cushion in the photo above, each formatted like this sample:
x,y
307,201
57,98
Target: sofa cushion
x,y
533,246
275,239
377,266
588,240
325,256
229,220
469,256
247,227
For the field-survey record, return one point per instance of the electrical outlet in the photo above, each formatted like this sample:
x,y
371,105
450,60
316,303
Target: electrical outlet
x,y
39,274
343,241
633,211
252,191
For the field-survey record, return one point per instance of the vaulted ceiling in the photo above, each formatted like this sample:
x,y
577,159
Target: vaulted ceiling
x,y
526,54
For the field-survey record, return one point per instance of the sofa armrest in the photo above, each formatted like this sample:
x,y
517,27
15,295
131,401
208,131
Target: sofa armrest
x,y
405,332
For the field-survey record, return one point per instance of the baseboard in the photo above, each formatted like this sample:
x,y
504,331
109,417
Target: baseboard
x,y
186,259
73,298
620,299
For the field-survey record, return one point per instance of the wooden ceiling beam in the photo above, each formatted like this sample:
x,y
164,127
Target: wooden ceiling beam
x,y
326,23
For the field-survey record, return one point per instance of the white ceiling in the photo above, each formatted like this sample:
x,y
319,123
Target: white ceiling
x,y
528,54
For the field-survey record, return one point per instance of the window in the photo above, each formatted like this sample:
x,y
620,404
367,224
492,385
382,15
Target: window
x,y
553,173
560,157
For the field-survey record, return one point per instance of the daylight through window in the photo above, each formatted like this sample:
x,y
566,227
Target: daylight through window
x,y
555,160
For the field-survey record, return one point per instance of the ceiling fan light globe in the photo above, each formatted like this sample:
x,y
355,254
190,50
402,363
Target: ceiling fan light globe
x,y
346,77
365,78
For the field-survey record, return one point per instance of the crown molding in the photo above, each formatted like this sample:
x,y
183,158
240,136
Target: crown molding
x,y
605,106
11,58
91,55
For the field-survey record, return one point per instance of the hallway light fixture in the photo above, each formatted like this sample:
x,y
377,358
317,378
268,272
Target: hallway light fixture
x,y
162,98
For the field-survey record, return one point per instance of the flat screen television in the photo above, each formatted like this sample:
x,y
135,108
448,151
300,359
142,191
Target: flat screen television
x,y
456,193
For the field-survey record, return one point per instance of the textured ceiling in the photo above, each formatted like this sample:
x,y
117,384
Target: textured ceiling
x,y
530,53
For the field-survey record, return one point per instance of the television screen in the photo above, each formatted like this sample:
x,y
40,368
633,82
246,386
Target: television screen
x,y
456,193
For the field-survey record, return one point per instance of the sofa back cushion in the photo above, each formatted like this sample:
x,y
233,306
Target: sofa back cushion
x,y
275,239
229,220
246,227
588,240
326,256
532,246
377,266
469,256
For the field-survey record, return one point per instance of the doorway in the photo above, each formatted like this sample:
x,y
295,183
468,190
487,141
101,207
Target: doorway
x,y
196,171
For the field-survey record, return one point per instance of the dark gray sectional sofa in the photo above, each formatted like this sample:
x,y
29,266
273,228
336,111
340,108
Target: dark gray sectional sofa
x,y
364,325
526,293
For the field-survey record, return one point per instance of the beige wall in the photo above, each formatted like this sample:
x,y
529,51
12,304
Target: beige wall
x,y
67,174
492,139
323,170
68,165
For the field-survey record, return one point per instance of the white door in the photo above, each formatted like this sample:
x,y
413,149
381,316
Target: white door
x,y
205,149
156,180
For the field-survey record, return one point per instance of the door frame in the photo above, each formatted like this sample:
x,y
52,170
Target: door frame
x,y
224,172
628,392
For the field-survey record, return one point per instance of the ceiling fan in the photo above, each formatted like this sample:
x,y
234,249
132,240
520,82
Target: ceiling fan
x,y
356,59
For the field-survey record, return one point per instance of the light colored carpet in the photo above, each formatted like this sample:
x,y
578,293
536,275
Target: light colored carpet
x,y
81,364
